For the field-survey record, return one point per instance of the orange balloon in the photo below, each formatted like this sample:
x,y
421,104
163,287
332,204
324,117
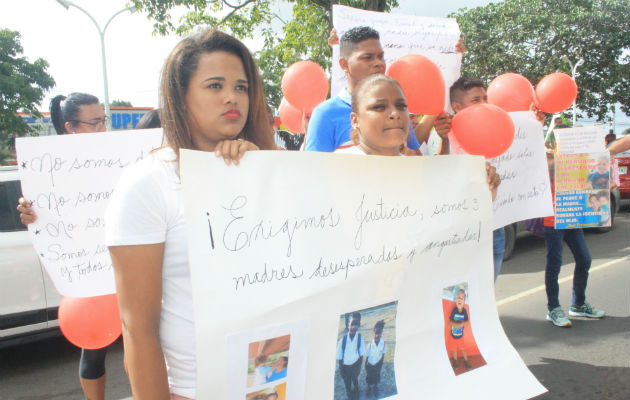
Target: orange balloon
x,y
290,116
555,93
305,85
90,322
511,92
483,129
422,83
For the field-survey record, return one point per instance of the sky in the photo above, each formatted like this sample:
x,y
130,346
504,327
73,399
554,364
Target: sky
x,y
69,41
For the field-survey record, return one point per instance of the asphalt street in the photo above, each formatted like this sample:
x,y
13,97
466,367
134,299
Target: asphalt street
x,y
590,360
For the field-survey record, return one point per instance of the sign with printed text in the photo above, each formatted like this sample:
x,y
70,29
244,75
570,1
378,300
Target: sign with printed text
x,y
582,178
69,179
434,38
325,261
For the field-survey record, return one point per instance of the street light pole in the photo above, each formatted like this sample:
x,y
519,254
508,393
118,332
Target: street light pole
x,y
67,4
573,73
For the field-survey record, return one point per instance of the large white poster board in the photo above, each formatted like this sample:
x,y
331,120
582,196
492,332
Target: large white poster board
x,y
525,190
69,180
400,35
292,252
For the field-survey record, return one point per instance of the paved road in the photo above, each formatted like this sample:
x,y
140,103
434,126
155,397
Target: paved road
x,y
590,360
587,361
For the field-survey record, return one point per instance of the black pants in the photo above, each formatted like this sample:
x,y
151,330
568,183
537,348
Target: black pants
x,y
350,375
373,372
92,364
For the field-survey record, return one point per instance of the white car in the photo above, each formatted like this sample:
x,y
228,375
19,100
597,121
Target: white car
x,y
28,298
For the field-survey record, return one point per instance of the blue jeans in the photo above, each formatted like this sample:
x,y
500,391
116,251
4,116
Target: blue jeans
x,y
577,244
498,249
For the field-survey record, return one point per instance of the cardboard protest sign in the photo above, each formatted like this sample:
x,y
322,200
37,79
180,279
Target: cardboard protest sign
x,y
434,38
307,266
582,178
69,180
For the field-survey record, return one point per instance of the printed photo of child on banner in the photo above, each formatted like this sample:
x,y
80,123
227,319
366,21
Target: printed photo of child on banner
x,y
461,347
582,190
582,179
365,353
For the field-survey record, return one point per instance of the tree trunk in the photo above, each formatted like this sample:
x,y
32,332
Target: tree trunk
x,y
375,5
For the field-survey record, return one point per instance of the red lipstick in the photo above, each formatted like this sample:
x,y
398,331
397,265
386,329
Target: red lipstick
x,y
232,114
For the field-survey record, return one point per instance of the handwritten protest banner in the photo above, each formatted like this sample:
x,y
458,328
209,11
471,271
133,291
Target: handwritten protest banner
x,y
525,190
69,180
299,260
400,35
582,178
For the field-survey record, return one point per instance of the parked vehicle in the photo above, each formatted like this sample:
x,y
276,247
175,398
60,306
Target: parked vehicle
x,y
624,177
28,298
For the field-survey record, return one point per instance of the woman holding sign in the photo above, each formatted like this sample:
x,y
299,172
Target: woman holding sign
x,y
380,121
211,99
77,113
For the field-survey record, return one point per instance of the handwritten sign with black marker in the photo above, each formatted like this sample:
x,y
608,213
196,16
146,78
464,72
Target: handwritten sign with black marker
x,y
289,236
69,179
401,34
525,190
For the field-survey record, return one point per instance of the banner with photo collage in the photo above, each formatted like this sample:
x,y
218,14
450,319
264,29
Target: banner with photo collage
x,y
328,276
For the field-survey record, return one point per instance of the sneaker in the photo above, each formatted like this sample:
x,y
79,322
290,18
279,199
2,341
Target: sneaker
x,y
467,364
453,363
586,310
558,317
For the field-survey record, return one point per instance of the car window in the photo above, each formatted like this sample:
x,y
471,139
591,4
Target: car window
x,y
10,192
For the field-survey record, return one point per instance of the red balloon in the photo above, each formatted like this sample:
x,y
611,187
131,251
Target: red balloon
x,y
511,92
555,93
305,85
483,129
290,116
90,322
422,83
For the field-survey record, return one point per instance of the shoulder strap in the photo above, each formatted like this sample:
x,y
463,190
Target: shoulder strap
x,y
358,343
343,345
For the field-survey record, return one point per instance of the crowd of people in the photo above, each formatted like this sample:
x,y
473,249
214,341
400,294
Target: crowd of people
x,y
211,99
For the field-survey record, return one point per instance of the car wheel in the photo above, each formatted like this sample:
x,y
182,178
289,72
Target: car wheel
x,y
510,240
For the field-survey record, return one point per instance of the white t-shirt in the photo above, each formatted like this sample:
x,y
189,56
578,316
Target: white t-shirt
x,y
455,147
353,350
376,351
354,149
147,208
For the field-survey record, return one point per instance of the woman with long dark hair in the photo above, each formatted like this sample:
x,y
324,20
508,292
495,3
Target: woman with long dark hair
x,y
211,99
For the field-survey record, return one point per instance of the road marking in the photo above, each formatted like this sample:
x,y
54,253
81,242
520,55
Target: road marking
x,y
567,278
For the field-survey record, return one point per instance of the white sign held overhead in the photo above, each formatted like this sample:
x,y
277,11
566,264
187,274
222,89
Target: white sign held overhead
x,y
434,38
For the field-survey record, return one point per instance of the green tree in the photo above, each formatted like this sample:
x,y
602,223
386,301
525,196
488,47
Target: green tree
x,y
120,103
303,37
533,37
22,88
